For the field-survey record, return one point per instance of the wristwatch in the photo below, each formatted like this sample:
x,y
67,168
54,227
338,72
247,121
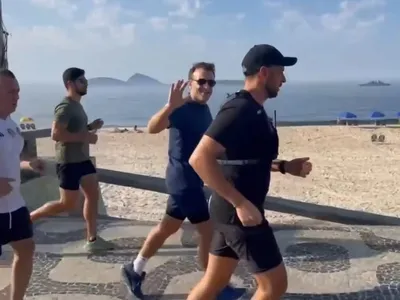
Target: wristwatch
x,y
281,166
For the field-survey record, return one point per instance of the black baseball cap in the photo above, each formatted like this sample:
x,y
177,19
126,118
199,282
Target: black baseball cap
x,y
264,55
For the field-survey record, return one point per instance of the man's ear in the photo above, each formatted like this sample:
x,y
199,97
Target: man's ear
x,y
264,72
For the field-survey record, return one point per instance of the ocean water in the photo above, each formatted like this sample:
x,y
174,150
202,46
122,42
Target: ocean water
x,y
127,106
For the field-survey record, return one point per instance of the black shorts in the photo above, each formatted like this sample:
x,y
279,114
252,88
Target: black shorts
x,y
15,226
70,174
256,246
191,204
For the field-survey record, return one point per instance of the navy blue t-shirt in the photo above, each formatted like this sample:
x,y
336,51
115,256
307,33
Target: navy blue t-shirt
x,y
187,126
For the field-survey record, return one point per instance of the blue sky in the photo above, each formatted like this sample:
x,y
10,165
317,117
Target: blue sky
x,y
334,40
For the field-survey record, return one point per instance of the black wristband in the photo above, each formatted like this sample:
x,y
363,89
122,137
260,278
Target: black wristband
x,y
281,166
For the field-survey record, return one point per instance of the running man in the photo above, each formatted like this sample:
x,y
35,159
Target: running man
x,y
15,223
73,135
187,119
235,158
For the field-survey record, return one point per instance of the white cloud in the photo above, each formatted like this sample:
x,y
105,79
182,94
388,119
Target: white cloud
x,y
159,23
185,8
100,30
275,4
99,2
179,26
240,16
42,36
195,43
106,19
347,20
65,8
362,24
348,15
133,13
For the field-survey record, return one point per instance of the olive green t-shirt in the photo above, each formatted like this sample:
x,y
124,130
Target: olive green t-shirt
x,y
72,114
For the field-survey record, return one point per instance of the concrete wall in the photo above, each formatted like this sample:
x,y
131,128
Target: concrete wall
x,y
37,190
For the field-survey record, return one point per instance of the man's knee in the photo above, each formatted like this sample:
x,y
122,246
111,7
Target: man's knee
x,y
69,199
205,230
90,187
272,284
168,226
23,249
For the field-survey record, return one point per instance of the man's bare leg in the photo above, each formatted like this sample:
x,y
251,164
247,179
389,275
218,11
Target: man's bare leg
x,y
215,279
68,202
91,190
133,272
205,230
157,237
21,267
272,284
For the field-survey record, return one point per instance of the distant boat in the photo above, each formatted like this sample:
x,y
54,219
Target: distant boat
x,y
375,83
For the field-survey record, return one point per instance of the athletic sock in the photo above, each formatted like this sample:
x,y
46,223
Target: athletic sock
x,y
139,264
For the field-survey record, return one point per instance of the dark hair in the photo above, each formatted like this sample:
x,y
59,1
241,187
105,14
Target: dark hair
x,y
7,73
72,74
201,65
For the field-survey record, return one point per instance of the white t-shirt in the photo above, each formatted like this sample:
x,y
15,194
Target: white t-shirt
x,y
11,145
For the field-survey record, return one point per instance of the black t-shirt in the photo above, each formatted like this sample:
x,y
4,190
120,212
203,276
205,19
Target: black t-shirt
x,y
243,128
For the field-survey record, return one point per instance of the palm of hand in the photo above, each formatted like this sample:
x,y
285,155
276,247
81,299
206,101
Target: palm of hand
x,y
176,98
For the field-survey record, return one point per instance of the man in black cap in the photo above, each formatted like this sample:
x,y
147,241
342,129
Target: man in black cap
x,y
235,158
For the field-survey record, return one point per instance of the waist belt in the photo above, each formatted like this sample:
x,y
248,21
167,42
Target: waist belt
x,y
239,162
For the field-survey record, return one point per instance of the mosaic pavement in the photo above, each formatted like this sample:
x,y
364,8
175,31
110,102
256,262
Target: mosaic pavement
x,y
324,261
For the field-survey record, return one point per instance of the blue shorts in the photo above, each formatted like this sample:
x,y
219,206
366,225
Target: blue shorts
x,y
191,204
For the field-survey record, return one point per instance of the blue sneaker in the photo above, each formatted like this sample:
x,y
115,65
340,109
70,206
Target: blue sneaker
x,y
231,293
132,281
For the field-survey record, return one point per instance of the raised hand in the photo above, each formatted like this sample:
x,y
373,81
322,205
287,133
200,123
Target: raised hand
x,y
175,98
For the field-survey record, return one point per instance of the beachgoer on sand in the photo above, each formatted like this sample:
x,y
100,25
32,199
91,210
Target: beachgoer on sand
x,y
15,223
235,158
75,170
187,118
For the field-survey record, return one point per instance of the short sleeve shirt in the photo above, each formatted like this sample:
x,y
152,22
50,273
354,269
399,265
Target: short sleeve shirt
x,y
187,126
251,143
72,114
11,145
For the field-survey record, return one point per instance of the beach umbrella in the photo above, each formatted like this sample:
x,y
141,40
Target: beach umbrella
x,y
347,115
377,114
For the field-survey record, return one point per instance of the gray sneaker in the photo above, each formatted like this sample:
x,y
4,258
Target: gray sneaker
x,y
99,244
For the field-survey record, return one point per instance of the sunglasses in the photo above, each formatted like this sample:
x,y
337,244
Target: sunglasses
x,y
202,81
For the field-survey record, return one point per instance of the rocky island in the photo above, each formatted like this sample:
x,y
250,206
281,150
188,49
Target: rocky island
x,y
136,79
139,79
375,83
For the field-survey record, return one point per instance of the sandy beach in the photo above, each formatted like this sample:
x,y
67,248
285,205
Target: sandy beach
x,y
349,170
